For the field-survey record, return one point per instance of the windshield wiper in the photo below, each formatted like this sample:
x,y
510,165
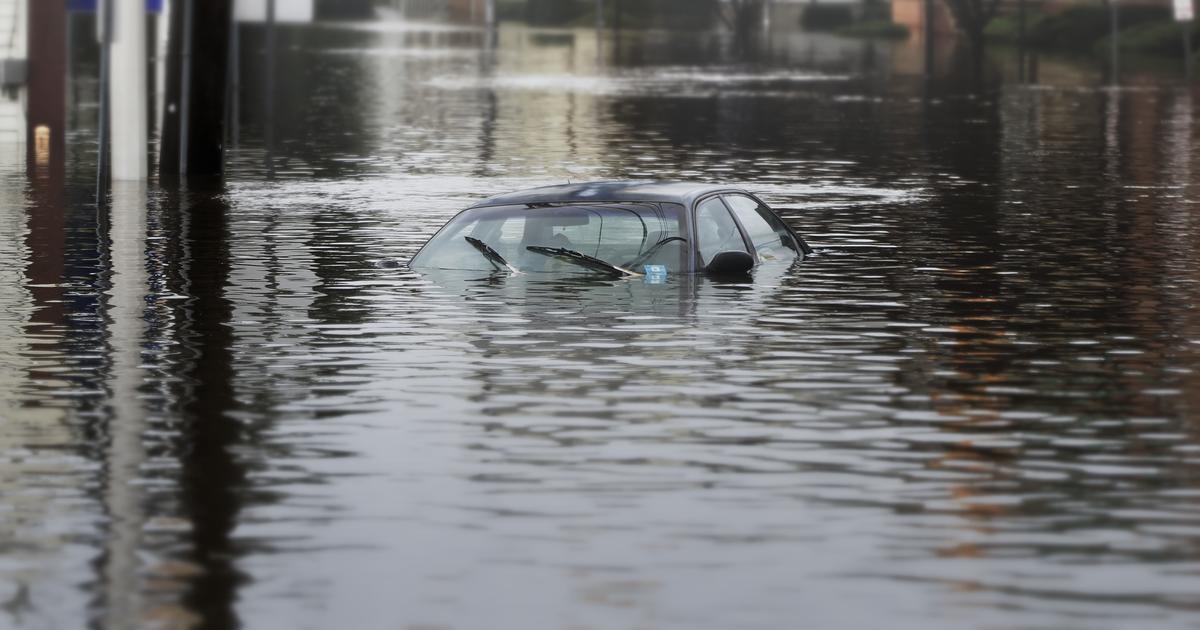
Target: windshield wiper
x,y
492,255
653,250
583,260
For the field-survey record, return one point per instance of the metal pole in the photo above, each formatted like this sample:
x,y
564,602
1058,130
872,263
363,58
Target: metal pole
x,y
208,45
128,107
104,27
46,100
234,88
269,92
1021,16
927,23
1115,28
599,32
170,135
72,93
162,36
490,17
185,96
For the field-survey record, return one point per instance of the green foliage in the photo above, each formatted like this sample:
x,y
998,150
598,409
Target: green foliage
x,y
1080,28
1084,29
882,29
1153,38
826,17
1007,28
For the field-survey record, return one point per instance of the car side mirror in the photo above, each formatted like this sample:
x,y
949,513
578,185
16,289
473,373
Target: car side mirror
x,y
730,263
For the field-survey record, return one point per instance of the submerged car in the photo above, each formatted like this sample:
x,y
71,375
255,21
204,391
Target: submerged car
x,y
615,228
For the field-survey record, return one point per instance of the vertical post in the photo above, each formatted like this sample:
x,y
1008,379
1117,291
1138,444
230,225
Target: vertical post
x,y
1021,17
170,143
194,136
205,122
161,35
47,104
1114,27
927,27
269,92
489,13
103,158
127,80
234,73
599,32
71,93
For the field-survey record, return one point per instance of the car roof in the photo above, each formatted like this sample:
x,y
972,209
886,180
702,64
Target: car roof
x,y
605,191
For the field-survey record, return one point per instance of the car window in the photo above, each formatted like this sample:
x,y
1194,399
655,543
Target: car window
x,y
623,234
770,236
716,231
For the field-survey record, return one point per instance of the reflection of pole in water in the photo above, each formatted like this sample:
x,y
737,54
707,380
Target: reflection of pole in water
x,y
211,477
125,323
1187,49
1177,140
1112,149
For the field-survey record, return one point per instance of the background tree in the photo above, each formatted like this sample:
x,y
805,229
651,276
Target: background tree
x,y
972,17
743,17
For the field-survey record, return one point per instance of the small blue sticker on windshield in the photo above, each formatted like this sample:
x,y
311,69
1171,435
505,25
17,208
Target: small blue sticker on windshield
x,y
655,274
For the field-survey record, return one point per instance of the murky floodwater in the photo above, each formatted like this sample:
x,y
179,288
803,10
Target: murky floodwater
x,y
978,406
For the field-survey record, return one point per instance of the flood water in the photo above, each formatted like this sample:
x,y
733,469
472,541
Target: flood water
x,y
977,406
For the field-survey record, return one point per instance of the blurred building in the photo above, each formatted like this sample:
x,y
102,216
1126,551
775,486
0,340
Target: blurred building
x,y
916,14
12,104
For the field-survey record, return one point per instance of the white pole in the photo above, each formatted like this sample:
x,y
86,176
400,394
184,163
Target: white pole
x,y
128,90
160,65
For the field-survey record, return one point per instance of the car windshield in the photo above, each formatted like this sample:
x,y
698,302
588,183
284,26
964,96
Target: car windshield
x,y
499,238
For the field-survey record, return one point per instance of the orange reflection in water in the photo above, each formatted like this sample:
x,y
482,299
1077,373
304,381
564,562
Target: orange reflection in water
x,y
41,145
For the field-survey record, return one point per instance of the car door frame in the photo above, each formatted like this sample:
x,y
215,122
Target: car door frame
x,y
697,264
804,251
